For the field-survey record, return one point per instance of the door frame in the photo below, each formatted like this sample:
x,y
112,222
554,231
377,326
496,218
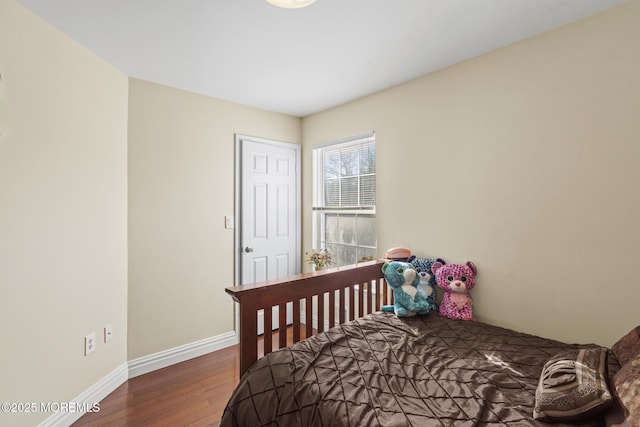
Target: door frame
x,y
238,200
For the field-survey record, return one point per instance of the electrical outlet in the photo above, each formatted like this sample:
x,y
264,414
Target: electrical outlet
x,y
108,333
89,343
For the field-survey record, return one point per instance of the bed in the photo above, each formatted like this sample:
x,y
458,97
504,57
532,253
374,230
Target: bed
x,y
357,366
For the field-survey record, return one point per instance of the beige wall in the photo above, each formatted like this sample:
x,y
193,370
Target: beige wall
x,y
525,161
63,214
181,185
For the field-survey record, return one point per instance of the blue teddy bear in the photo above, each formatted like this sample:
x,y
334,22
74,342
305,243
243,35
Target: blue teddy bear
x,y
403,280
427,283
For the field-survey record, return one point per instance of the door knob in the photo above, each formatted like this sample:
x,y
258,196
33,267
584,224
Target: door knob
x,y
248,249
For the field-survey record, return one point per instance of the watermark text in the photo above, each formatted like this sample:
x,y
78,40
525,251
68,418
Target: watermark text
x,y
49,407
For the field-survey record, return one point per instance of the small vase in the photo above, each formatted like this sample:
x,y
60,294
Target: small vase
x,y
318,267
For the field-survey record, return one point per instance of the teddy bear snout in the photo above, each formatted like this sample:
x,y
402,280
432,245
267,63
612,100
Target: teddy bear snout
x,y
458,286
409,274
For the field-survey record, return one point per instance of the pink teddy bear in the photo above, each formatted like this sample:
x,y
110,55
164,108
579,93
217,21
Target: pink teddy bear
x,y
456,280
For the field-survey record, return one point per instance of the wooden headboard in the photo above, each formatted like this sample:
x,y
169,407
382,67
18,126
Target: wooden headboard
x,y
353,291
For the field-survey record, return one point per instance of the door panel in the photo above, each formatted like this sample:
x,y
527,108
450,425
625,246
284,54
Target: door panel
x,y
268,219
269,203
259,269
282,265
259,212
283,220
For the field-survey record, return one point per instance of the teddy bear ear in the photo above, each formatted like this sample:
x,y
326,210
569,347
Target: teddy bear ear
x,y
472,266
411,258
436,266
384,266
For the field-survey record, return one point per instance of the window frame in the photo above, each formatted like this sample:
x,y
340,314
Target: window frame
x,y
318,207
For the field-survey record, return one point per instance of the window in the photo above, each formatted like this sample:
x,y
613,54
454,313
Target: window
x,y
344,209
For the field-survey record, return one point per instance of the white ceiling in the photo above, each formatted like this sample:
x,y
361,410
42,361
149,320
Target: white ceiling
x,y
299,61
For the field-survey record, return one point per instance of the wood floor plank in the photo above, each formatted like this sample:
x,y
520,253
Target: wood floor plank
x,y
192,393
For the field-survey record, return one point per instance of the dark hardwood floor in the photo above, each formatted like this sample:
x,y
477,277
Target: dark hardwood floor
x,y
191,393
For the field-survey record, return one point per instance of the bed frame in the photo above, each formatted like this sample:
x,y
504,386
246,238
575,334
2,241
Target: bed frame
x,y
345,288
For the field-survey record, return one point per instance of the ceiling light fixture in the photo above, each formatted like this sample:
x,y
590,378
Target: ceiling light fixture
x,y
291,4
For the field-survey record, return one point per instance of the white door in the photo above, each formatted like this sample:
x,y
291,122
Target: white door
x,y
268,236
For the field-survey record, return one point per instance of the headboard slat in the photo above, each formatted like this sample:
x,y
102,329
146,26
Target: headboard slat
x,y
265,295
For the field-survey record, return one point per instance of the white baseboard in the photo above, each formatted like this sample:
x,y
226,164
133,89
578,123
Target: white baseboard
x,y
162,359
93,394
133,368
